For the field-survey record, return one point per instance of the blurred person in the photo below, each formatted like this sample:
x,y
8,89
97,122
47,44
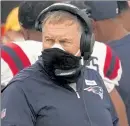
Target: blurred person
x,y
19,54
46,92
105,26
124,14
28,11
107,59
122,48
119,41
108,30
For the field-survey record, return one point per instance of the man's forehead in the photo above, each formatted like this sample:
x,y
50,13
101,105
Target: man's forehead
x,y
60,27
60,30
61,23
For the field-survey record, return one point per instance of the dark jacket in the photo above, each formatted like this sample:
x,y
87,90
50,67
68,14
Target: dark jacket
x,y
33,99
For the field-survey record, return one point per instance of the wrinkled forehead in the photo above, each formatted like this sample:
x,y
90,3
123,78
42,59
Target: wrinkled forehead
x,y
61,17
61,30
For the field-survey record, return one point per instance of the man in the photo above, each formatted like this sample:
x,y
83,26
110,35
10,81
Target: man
x,y
102,14
122,48
45,93
28,12
18,54
103,20
119,41
124,15
108,29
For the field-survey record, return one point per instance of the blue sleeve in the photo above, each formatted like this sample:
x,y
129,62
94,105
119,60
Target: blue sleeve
x,y
15,108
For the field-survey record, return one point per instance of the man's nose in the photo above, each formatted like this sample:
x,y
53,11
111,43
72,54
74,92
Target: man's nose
x,y
57,45
57,40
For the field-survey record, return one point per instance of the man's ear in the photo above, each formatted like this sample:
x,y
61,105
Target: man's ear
x,y
25,33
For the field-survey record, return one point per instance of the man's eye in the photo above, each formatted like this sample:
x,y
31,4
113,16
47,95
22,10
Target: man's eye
x,y
49,40
64,42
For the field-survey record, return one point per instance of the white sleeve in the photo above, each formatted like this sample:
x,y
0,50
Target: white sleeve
x,y
109,65
32,49
112,82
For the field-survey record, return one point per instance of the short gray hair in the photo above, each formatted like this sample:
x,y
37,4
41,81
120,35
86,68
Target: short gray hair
x,y
56,17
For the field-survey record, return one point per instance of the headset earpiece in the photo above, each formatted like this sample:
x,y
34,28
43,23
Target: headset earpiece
x,y
38,26
85,45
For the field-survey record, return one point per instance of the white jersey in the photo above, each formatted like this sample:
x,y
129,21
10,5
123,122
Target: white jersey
x,y
104,61
16,56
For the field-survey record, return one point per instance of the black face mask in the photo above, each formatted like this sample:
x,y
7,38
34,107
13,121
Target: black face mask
x,y
61,65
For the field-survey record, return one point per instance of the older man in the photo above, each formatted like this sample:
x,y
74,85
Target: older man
x,y
59,90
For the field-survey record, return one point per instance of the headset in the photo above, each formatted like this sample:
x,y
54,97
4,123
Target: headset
x,y
87,38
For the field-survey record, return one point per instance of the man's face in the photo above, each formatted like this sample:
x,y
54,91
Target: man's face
x,y
99,28
68,36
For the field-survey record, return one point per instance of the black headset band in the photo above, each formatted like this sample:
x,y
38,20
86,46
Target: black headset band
x,y
87,39
66,7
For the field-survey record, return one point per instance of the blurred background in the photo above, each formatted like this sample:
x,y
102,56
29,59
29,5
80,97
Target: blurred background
x,y
6,7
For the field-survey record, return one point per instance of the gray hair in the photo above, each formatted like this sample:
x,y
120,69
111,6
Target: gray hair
x,y
62,16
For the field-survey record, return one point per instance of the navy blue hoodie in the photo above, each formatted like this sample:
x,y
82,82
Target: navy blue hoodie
x,y
33,99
